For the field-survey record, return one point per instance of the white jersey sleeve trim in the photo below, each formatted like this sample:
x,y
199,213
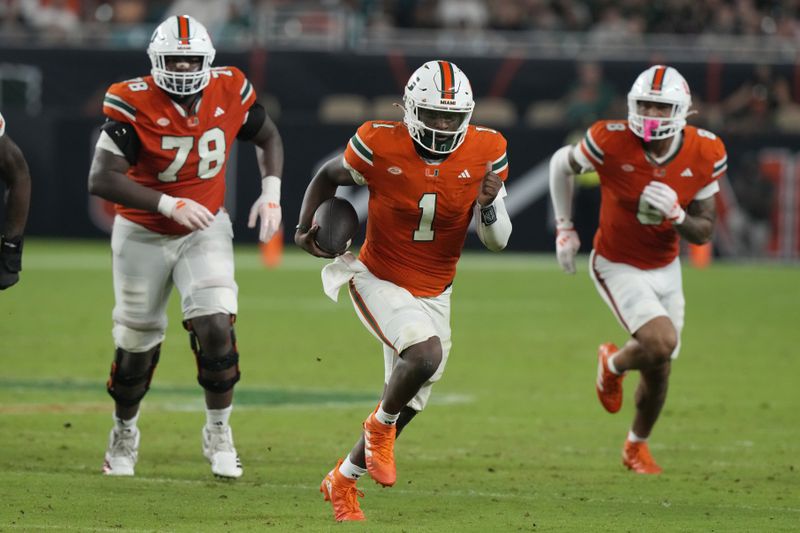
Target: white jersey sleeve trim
x,y
708,191
580,158
358,177
106,143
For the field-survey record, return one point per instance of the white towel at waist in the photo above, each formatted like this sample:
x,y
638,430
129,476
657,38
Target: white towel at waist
x,y
338,272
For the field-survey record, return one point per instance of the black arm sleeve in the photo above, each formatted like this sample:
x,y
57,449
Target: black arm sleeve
x,y
125,137
255,119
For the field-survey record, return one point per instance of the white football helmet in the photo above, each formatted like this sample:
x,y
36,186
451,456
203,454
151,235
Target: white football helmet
x,y
181,36
660,84
438,86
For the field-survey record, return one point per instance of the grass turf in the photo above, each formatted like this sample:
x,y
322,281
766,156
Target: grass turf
x,y
514,439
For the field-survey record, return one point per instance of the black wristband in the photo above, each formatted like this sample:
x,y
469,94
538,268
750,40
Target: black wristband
x,y
488,215
11,254
301,228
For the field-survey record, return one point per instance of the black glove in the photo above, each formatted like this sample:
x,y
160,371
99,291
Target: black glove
x,y
10,261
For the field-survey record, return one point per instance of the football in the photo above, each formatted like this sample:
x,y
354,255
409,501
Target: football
x,y
338,223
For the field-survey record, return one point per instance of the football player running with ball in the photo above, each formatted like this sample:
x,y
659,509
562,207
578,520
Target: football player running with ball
x,y
428,177
658,178
17,179
161,158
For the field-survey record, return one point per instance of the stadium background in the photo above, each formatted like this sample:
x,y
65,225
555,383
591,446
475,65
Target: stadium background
x,y
541,71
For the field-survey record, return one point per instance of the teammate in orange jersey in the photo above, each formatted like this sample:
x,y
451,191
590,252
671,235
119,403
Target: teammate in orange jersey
x,y
161,158
428,177
658,178
14,174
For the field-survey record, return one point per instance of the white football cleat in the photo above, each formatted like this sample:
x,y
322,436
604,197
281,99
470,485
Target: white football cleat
x,y
220,452
122,452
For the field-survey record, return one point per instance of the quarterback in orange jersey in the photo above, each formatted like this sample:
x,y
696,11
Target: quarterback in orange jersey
x,y
658,178
14,174
161,158
428,177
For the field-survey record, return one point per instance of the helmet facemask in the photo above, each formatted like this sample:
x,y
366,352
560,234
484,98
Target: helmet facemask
x,y
439,141
653,128
180,83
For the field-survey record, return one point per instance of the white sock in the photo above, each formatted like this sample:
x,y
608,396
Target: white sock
x,y
216,418
350,470
633,437
611,366
122,425
385,418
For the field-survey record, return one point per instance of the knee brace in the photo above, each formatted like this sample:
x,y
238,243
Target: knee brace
x,y
128,381
214,372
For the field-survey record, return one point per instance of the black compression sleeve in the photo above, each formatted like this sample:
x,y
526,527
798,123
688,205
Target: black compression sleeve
x,y
255,119
125,137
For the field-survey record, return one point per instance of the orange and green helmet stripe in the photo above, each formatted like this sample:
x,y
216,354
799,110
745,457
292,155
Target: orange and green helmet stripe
x,y
658,78
448,80
183,29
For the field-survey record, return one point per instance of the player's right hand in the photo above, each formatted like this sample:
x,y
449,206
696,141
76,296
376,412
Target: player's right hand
x,y
10,262
307,241
567,246
490,187
191,214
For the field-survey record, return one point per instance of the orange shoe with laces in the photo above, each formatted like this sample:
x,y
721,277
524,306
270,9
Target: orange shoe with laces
x,y
379,450
343,495
609,384
636,456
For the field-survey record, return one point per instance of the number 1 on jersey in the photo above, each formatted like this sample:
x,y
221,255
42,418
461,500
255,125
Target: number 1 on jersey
x,y
427,204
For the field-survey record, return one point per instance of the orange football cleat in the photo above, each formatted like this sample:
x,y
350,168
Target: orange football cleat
x,y
609,384
343,495
636,456
379,450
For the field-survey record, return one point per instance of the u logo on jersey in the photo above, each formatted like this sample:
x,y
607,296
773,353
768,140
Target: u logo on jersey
x,y
659,172
431,172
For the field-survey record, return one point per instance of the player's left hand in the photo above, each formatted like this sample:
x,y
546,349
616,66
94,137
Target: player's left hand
x,y
490,187
567,245
665,200
271,215
10,262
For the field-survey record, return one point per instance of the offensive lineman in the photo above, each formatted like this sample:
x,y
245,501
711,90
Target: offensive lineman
x,y
161,158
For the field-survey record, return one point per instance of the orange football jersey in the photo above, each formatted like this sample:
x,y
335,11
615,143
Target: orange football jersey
x,y
182,154
419,212
630,230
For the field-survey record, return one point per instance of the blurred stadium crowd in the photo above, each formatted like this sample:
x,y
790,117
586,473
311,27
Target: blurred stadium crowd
x,y
68,18
753,41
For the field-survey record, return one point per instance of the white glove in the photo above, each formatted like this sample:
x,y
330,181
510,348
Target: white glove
x,y
567,245
185,212
664,200
268,207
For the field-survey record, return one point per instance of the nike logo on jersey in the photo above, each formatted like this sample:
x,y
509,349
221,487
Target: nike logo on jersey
x,y
219,111
687,173
464,174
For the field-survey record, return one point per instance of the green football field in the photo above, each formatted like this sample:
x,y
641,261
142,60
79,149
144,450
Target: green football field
x,y
513,440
